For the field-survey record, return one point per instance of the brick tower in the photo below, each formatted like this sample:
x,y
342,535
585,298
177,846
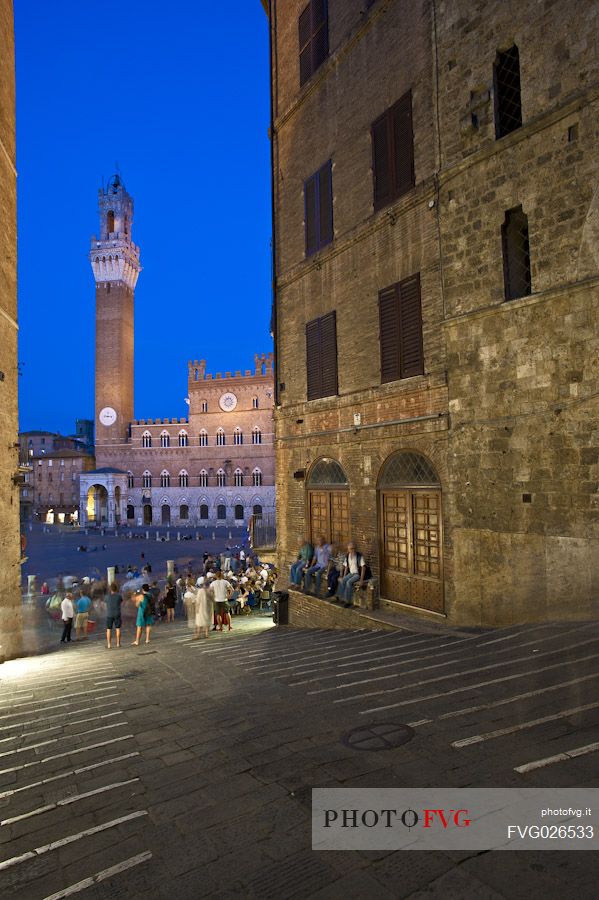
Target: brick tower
x,y
115,263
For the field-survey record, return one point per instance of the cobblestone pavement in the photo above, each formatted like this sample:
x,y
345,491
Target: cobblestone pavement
x,y
184,769
55,550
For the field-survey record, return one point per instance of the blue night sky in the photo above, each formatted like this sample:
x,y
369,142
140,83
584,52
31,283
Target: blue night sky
x,y
178,95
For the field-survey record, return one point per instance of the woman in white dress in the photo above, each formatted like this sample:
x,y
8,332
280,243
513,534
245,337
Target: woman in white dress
x,y
203,608
190,600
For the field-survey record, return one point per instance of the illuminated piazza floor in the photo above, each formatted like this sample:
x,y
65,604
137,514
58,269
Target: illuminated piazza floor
x,y
184,769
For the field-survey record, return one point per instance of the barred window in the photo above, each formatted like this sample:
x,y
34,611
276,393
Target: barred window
x,y
516,254
508,99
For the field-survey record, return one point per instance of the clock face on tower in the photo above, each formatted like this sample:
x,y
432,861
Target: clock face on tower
x,y
228,402
107,416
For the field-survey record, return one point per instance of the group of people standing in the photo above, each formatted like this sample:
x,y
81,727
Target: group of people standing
x,y
343,572
228,585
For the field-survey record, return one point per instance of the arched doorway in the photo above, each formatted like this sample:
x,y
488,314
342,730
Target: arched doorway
x,y
328,502
410,531
238,512
203,511
165,512
221,512
147,513
97,504
131,511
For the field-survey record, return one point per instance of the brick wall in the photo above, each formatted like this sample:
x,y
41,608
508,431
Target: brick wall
x,y
114,358
309,612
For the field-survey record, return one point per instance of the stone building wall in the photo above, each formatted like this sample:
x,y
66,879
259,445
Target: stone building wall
x,y
507,407
522,375
375,58
54,482
10,576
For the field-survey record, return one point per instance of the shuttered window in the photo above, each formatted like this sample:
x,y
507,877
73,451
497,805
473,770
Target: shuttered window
x,y
321,356
313,38
393,152
400,323
318,202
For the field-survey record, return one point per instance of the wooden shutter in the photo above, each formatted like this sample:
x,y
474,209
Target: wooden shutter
x,y
328,354
325,202
410,328
305,43
311,213
389,334
313,38
313,356
320,33
381,161
403,149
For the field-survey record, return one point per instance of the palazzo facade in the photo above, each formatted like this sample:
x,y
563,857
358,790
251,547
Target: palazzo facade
x,y
213,467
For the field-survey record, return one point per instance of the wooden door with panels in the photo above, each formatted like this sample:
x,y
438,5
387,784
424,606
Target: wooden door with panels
x,y
328,503
410,532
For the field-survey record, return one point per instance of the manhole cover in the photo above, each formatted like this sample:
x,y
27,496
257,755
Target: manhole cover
x,y
381,736
129,674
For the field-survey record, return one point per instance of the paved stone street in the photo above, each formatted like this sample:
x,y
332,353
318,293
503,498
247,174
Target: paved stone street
x,y
54,551
184,769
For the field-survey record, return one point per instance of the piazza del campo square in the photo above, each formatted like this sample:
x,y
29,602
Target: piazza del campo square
x,y
299,449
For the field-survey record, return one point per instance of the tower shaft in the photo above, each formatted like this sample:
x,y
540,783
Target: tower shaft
x,y
115,264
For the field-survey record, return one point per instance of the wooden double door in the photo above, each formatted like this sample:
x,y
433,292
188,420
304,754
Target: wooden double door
x,y
329,515
412,547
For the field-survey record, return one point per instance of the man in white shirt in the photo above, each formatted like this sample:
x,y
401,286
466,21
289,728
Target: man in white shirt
x,y
68,612
221,590
354,569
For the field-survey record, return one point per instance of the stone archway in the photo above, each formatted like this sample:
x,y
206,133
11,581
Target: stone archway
x,y
97,504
